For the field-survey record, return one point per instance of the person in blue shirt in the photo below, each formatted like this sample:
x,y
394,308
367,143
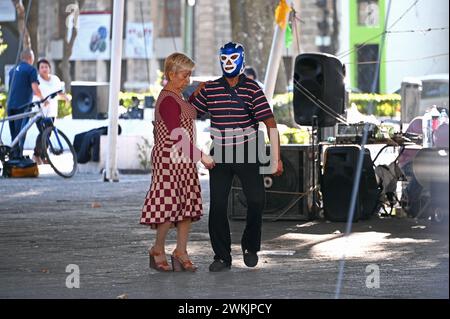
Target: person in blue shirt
x,y
23,83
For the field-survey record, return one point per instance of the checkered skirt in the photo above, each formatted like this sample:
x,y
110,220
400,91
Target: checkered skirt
x,y
175,192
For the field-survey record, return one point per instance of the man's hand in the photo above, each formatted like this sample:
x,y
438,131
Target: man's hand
x,y
198,89
208,161
279,169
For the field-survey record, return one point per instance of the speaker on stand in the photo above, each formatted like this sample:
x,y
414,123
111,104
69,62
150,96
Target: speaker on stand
x,y
319,100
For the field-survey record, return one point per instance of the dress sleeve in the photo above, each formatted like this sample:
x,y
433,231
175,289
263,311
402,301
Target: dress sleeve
x,y
170,112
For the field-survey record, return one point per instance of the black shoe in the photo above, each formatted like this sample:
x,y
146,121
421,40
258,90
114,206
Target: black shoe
x,y
219,265
250,258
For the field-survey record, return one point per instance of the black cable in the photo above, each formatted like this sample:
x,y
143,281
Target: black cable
x,y
345,53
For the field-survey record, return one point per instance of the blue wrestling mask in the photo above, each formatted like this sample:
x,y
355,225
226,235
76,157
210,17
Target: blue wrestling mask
x,y
232,59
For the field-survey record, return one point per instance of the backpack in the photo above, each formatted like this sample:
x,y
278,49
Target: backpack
x,y
23,167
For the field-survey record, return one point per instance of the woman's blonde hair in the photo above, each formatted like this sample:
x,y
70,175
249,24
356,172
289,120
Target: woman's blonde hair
x,y
176,62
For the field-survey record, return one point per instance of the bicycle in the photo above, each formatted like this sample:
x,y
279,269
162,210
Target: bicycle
x,y
58,151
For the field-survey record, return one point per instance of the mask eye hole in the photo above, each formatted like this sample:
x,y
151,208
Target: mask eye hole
x,y
234,57
223,57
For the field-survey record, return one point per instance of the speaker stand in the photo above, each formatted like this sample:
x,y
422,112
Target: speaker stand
x,y
315,136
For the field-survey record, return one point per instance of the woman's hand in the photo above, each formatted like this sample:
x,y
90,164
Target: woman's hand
x,y
208,161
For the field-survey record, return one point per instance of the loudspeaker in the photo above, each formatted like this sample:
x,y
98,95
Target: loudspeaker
x,y
288,196
322,75
337,184
90,100
149,102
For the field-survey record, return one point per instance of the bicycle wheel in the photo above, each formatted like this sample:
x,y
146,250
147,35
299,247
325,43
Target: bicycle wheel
x,y
59,152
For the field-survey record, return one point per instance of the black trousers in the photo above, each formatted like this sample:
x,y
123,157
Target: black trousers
x,y
38,151
221,177
15,127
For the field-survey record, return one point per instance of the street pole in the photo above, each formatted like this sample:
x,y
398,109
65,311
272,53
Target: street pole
x,y
188,28
111,173
274,60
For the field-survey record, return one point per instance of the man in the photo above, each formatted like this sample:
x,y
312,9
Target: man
x,y
23,82
250,72
237,104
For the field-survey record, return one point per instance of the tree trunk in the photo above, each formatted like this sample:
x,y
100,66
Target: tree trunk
x,y
23,30
253,25
33,23
64,65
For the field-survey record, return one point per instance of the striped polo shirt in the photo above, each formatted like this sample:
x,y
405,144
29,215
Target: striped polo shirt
x,y
231,123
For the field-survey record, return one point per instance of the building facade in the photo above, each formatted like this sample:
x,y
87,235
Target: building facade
x,y
410,38
197,28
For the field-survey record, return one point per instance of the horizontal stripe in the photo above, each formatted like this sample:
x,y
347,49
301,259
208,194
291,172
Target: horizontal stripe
x,y
222,137
230,123
214,129
237,143
211,96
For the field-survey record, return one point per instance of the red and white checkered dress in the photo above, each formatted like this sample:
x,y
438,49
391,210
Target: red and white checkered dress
x,y
175,192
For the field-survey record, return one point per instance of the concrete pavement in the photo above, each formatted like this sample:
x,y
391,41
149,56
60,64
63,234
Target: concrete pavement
x,y
49,223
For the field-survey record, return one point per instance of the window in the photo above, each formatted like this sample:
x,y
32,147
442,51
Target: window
x,y
434,89
170,20
368,12
367,68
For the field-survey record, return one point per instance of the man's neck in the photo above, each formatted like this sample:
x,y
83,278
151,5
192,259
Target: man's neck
x,y
233,81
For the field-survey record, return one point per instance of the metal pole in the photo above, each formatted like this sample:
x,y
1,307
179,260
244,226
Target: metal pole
x,y
274,60
145,44
188,27
112,173
380,55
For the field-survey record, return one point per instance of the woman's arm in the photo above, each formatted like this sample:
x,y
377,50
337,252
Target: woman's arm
x,y
170,112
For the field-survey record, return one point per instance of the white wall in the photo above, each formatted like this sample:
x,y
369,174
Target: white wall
x,y
415,46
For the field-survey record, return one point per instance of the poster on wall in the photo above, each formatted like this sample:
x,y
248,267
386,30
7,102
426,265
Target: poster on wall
x,y
93,39
7,11
138,46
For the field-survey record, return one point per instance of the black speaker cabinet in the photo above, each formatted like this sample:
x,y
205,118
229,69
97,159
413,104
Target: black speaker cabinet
x,y
322,76
289,196
90,100
337,184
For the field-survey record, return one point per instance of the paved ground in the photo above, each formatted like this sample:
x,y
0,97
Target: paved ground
x,y
49,223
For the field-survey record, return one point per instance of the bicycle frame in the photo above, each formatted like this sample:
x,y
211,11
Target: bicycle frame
x,y
34,115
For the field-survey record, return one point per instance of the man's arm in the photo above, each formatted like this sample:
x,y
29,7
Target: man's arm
x,y
263,113
199,101
274,138
37,90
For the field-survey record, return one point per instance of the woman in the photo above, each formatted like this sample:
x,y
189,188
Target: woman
x,y
174,198
48,83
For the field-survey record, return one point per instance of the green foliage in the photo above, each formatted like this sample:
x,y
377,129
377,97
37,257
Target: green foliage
x,y
3,98
144,154
153,90
3,46
383,104
295,136
64,108
282,109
